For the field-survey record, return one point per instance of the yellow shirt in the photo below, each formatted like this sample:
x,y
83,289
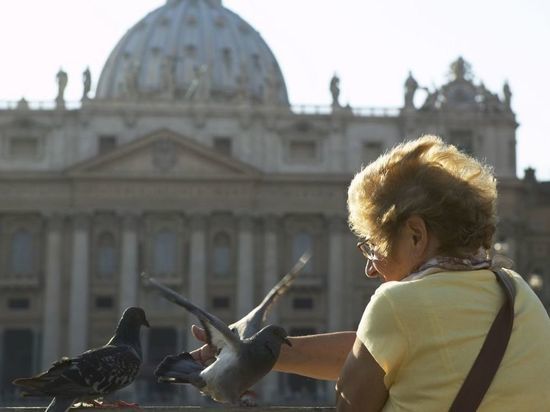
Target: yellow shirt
x,y
426,333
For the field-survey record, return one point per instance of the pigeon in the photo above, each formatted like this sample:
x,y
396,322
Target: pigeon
x,y
246,352
94,373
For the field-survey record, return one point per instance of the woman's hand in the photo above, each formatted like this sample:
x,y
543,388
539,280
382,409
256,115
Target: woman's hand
x,y
206,354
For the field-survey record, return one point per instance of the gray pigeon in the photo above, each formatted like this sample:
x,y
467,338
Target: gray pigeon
x,y
94,373
245,353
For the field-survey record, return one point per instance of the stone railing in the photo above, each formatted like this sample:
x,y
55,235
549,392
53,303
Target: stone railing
x,y
193,409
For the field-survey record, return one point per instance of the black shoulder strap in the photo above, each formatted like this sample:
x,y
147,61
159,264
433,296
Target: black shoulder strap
x,y
485,366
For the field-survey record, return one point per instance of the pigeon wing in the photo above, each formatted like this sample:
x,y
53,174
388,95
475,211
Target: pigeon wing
x,y
253,321
217,332
105,369
95,372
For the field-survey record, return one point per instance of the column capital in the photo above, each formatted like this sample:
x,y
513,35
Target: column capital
x,y
271,222
54,220
197,222
246,222
81,220
337,223
129,220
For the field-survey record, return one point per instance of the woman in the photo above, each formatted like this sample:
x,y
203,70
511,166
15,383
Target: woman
x,y
425,214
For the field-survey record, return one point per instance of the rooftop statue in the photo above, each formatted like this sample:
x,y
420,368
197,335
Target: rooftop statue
x,y
461,69
335,90
87,83
507,95
411,85
62,80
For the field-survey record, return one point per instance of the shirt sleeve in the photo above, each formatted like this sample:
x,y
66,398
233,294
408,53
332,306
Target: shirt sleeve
x,y
382,333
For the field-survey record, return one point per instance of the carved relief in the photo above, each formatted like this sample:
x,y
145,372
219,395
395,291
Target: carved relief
x,y
164,155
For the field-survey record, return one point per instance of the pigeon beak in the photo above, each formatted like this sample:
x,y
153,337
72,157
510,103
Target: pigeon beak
x,y
285,340
146,323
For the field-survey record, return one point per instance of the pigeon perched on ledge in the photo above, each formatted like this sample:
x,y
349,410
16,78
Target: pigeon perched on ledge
x,y
96,372
245,353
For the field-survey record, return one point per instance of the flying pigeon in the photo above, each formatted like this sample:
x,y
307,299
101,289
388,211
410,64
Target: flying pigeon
x,y
94,373
245,352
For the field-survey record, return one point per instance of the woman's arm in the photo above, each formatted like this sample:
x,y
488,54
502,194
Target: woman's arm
x,y
360,387
316,356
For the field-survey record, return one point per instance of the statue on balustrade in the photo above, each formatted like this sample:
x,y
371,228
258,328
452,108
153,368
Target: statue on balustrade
x,y
335,90
87,83
411,85
507,96
62,80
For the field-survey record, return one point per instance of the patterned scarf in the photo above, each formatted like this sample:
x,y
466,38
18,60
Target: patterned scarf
x,y
480,260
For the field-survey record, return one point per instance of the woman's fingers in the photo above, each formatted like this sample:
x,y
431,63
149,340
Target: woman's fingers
x,y
198,333
206,353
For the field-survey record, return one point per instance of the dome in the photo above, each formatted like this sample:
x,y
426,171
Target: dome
x,y
193,50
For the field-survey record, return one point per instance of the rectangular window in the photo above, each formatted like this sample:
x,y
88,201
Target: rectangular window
x,y
106,144
221,302
19,303
23,147
104,302
161,341
371,151
302,303
463,140
223,145
302,151
18,358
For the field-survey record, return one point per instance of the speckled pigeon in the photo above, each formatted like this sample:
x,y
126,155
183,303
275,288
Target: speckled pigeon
x,y
96,372
245,353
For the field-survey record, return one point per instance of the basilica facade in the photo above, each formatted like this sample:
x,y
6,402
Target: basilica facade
x,y
190,164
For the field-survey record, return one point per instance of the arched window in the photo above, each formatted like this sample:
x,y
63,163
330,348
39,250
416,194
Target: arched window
x,y
21,253
301,242
106,255
165,253
222,254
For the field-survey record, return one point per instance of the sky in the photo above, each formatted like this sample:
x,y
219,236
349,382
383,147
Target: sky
x,y
370,44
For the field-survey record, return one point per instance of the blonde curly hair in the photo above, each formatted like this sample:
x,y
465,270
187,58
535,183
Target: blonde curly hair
x,y
454,193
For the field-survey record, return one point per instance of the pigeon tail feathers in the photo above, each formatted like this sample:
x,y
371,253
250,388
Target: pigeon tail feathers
x,y
182,368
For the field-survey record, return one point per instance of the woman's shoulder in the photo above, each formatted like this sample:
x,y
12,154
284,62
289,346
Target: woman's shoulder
x,y
440,283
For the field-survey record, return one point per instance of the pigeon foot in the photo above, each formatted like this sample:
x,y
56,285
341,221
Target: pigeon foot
x,y
107,405
248,399
121,405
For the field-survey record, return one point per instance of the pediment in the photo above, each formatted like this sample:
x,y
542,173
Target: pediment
x,y
163,154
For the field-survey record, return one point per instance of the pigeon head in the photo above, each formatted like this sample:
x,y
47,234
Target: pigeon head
x,y
272,337
127,331
135,316
279,332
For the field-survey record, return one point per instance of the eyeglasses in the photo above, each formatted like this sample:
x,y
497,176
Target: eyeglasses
x,y
366,249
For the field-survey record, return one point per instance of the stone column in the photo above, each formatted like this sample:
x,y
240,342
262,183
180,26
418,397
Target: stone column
x,y
335,274
245,267
197,286
336,287
51,328
129,276
270,384
79,291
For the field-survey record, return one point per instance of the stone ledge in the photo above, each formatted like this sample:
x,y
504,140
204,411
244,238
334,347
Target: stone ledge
x,y
188,408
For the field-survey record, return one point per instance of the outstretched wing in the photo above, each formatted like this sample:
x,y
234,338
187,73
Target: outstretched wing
x,y
218,333
253,321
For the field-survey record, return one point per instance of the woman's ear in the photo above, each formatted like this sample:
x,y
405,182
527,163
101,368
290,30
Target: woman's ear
x,y
418,234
